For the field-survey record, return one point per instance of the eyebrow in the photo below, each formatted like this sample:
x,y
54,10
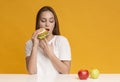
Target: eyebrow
x,y
50,18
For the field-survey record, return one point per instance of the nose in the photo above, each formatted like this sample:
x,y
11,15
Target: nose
x,y
47,24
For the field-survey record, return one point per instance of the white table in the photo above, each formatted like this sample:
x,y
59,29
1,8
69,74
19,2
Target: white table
x,y
58,78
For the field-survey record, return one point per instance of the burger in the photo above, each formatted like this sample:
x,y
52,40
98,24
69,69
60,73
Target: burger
x,y
43,33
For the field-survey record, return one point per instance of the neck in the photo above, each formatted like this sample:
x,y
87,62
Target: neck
x,y
50,37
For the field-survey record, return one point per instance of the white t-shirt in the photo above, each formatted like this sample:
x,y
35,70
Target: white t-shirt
x,y
61,50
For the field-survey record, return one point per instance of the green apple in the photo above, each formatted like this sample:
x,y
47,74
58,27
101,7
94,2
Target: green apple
x,y
94,73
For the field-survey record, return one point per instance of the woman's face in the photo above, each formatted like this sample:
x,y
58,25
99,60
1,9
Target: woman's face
x,y
47,21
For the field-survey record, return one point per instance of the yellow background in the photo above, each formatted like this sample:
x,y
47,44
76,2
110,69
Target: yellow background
x,y
92,27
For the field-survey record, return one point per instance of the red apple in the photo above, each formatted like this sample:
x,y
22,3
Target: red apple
x,y
83,74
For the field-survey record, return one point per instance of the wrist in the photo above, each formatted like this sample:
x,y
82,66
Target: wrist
x,y
51,55
35,45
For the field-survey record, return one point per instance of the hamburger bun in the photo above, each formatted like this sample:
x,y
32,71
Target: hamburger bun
x,y
42,33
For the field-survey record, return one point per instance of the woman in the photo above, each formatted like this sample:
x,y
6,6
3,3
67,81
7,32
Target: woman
x,y
51,55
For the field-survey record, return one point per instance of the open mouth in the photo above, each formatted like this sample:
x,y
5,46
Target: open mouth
x,y
47,29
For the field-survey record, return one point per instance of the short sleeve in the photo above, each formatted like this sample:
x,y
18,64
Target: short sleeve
x,y
28,47
64,49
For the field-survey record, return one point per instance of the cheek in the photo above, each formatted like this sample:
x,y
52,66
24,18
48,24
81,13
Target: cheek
x,y
52,25
42,24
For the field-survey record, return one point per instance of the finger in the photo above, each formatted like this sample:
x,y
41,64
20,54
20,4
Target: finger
x,y
34,34
46,41
41,45
52,45
43,42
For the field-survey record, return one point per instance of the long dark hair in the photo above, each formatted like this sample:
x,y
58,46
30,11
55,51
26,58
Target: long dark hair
x,y
48,8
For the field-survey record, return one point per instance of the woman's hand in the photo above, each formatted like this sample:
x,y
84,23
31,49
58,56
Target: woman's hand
x,y
47,48
35,39
61,66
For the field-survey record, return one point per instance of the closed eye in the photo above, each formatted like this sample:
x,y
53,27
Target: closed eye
x,y
43,20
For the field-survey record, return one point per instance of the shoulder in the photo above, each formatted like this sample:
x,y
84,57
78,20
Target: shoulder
x,y
29,42
61,39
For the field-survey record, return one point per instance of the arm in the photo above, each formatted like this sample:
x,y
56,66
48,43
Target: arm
x,y
31,61
62,66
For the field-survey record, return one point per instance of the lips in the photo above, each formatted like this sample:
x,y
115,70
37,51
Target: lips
x,y
47,29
